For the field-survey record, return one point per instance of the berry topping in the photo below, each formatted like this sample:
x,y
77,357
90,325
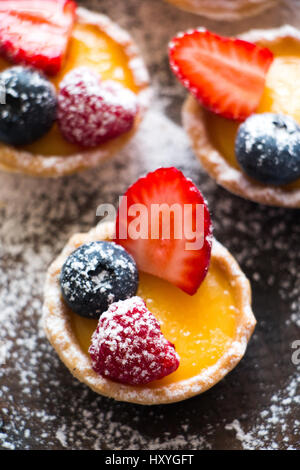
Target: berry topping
x,y
30,105
226,75
96,275
92,111
267,147
35,34
129,347
172,239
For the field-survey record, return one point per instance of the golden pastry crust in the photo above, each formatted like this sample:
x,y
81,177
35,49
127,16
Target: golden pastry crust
x,y
226,10
21,161
233,179
57,325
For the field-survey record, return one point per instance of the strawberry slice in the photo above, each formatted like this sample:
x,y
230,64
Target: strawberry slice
x,y
173,243
227,75
36,34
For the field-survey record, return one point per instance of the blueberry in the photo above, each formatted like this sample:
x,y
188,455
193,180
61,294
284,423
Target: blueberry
x,y
96,275
29,107
267,148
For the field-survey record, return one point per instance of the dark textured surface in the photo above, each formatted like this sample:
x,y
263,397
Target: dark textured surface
x,y
41,405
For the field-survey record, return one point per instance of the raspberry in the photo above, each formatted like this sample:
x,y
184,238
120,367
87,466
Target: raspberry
x,y
129,347
91,111
96,275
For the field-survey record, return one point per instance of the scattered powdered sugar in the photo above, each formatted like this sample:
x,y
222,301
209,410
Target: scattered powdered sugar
x,y
41,405
271,419
61,436
37,392
40,91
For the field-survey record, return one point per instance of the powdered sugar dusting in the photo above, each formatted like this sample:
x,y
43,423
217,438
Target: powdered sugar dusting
x,y
41,405
32,233
274,417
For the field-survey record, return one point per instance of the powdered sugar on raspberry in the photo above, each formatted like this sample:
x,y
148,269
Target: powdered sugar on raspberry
x,y
129,347
91,111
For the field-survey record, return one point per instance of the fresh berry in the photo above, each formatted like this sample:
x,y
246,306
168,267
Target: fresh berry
x,y
157,250
92,111
129,347
267,148
226,75
35,34
96,275
29,108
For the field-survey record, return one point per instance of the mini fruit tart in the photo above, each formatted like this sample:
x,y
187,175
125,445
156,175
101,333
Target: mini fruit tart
x,y
243,118
71,99
225,10
243,113
149,309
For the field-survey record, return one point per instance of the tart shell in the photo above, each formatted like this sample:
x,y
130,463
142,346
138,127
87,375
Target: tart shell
x,y
225,10
216,165
57,325
15,160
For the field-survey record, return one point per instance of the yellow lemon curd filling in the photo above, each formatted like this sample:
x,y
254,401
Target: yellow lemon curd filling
x,y
201,327
281,95
92,48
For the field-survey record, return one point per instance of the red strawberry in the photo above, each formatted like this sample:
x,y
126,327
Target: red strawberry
x,y
36,33
226,75
167,255
129,347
